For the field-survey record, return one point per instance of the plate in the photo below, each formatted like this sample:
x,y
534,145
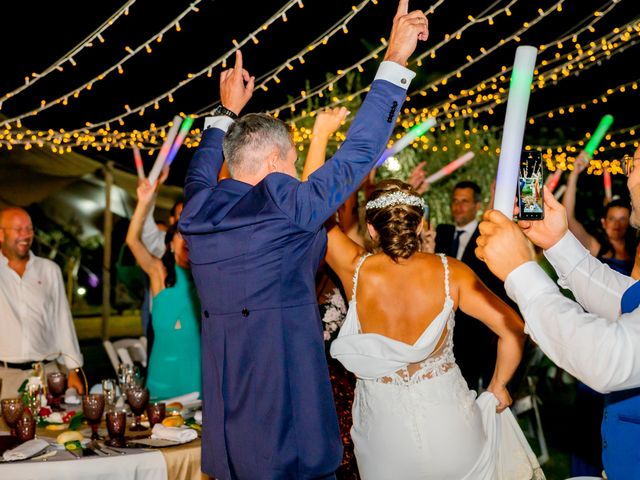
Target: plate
x,y
149,442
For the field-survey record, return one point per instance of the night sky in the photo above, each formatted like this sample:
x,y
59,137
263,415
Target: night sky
x,y
34,34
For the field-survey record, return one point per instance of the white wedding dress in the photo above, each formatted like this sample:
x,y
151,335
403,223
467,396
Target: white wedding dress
x,y
413,414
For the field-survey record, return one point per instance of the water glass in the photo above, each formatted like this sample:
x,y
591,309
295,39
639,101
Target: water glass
x,y
109,392
26,427
92,409
12,410
156,412
57,383
116,426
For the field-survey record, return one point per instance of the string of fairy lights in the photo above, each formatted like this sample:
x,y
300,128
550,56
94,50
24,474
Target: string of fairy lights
x,y
131,52
70,56
101,136
64,137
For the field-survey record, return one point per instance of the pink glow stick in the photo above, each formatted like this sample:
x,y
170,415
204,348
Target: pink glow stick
x,y
607,185
450,167
138,159
553,180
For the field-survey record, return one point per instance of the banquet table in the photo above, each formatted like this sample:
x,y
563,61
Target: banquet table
x,y
181,462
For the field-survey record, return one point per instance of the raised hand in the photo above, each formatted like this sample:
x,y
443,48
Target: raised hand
x,y
236,86
547,232
328,121
408,28
146,191
417,175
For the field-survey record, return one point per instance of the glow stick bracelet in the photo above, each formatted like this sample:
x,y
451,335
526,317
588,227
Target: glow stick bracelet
x,y
513,133
553,180
607,185
450,167
598,135
182,134
164,151
138,159
410,136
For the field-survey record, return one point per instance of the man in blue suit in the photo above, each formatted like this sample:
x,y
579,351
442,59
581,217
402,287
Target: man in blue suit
x,y
255,241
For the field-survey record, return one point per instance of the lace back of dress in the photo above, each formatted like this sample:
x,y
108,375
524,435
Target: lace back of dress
x,y
440,361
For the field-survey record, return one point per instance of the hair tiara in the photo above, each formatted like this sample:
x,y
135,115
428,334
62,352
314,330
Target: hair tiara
x,y
395,198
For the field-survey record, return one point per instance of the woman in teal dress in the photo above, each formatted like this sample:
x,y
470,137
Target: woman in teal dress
x,y
174,365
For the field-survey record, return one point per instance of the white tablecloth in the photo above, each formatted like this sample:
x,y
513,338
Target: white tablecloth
x,y
149,465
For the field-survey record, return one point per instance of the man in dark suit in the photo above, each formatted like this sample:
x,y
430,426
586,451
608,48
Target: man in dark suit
x,y
474,345
255,241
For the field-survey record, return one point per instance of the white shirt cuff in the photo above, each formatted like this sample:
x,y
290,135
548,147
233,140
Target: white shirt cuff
x,y
220,121
395,73
526,282
566,254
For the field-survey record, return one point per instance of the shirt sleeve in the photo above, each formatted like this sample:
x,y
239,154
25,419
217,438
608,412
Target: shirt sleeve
x,y
600,352
65,331
596,287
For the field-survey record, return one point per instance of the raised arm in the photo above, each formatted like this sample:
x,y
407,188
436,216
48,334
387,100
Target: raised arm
x,y
478,301
236,88
569,202
312,202
151,265
326,124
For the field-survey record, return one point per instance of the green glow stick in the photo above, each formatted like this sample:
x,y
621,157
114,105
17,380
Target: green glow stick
x,y
598,135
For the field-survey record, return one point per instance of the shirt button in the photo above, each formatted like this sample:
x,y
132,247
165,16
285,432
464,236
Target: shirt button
x,y
245,312
403,81
206,314
604,444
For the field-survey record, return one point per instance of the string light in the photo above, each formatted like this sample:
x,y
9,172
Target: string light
x,y
58,64
131,53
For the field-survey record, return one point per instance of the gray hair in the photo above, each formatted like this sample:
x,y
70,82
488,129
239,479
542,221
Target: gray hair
x,y
247,139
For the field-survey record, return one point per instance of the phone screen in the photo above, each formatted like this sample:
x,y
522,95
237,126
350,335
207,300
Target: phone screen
x,y
530,183
425,215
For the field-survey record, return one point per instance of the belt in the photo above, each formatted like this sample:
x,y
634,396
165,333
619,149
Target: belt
x,y
19,366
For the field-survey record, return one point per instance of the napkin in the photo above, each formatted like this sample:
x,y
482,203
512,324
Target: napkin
x,y
26,450
198,417
184,399
177,434
71,397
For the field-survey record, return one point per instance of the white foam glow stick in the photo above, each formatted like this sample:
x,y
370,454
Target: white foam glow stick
x,y
450,167
410,136
513,133
164,151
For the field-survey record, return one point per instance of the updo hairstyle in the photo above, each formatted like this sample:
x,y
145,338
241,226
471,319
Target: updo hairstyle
x,y
396,225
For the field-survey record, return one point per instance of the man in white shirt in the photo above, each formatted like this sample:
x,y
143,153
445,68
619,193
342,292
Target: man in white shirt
x,y
35,319
597,340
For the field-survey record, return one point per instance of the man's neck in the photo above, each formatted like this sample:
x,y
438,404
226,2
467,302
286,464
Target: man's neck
x,y
17,264
462,227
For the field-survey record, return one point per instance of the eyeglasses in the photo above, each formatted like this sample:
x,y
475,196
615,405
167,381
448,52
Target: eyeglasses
x,y
20,229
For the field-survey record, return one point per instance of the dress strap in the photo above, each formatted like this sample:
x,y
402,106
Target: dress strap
x,y
356,273
445,264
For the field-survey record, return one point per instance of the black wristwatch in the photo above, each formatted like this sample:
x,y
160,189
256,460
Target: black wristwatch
x,y
220,110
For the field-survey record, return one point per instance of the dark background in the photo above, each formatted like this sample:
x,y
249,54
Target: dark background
x,y
35,34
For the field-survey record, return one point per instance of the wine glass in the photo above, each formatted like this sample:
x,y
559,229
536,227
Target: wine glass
x,y
133,378
109,392
93,408
57,383
116,426
12,410
156,412
138,398
26,427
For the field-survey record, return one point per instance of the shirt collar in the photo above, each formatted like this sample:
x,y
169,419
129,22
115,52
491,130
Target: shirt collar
x,y
469,227
4,261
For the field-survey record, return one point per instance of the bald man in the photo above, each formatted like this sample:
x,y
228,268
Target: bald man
x,y
36,321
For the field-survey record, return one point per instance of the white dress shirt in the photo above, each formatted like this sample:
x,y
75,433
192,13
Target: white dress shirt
x,y
464,238
602,347
152,237
35,318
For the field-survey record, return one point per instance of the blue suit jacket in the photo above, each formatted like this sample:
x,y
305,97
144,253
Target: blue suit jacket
x,y
268,408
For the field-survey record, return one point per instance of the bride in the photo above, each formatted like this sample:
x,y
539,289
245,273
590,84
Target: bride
x,y
413,414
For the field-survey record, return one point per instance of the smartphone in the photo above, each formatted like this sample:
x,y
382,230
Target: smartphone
x,y
425,215
530,183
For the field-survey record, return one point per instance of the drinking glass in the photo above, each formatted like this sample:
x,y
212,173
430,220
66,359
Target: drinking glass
x,y
109,392
57,383
12,410
116,426
138,398
156,412
93,408
26,427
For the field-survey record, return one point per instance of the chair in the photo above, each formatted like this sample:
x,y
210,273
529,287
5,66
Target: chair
x,y
126,350
526,409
